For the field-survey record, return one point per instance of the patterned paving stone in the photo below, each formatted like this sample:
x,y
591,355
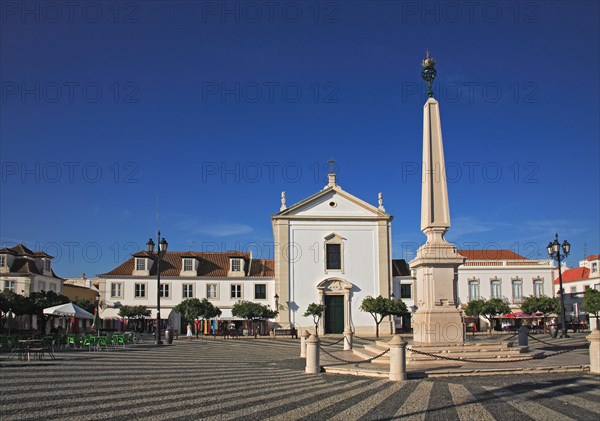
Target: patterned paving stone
x,y
264,379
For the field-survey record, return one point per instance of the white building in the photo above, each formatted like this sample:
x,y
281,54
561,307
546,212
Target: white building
x,y
24,271
503,274
223,278
487,274
575,282
335,249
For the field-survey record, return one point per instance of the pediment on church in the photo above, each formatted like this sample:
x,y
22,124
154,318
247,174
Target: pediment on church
x,y
333,203
334,284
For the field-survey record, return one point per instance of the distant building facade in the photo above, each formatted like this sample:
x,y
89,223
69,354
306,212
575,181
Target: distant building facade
x,y
24,271
223,278
575,283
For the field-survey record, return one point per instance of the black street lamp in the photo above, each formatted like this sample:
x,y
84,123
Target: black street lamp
x,y
162,250
97,318
554,252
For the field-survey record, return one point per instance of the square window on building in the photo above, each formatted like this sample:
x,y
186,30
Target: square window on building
x,y
164,290
188,290
9,286
405,291
236,291
115,289
42,286
594,267
236,265
47,265
260,291
53,287
140,264
334,256
2,260
211,291
188,265
140,290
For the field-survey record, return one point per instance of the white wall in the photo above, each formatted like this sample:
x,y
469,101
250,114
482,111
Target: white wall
x,y
359,267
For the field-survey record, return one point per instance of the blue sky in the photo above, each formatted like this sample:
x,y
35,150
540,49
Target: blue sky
x,y
215,108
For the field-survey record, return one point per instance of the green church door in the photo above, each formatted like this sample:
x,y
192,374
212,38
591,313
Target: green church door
x,y
334,314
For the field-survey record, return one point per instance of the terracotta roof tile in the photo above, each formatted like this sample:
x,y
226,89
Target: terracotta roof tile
x,y
400,268
491,255
25,266
593,257
22,250
211,264
572,275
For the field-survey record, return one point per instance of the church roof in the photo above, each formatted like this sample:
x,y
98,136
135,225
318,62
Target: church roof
x,y
289,211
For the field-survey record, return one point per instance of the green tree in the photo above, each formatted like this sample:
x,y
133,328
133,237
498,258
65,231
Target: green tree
x,y
18,304
591,303
85,304
134,312
253,312
382,307
44,299
488,309
192,309
316,311
542,304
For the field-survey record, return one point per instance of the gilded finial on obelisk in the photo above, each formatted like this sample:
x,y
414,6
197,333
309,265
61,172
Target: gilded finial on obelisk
x,y
429,72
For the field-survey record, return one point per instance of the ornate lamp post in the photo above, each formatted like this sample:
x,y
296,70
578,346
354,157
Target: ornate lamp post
x,y
162,250
97,318
555,252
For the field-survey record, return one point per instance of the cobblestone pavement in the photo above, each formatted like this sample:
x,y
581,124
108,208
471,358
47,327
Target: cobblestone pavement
x,y
264,379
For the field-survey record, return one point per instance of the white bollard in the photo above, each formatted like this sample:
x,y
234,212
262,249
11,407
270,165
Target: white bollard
x,y
594,339
523,339
348,340
397,359
312,355
303,339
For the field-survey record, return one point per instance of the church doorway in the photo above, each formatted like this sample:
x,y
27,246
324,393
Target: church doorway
x,y
334,314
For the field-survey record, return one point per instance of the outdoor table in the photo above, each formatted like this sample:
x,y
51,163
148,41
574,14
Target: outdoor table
x,y
27,347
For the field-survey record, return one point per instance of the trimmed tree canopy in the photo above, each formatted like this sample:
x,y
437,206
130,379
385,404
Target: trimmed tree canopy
x,y
382,307
252,311
487,308
192,308
591,301
316,311
134,312
543,304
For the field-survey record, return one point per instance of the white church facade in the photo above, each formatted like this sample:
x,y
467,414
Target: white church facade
x,y
334,249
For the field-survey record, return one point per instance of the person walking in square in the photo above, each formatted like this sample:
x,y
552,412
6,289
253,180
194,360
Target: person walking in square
x,y
189,331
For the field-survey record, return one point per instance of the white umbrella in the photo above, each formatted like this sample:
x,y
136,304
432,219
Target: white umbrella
x,y
68,309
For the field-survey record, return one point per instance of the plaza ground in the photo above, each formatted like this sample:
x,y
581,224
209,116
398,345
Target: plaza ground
x,y
264,379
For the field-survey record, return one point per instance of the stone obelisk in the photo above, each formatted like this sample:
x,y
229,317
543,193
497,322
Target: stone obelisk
x,y
437,319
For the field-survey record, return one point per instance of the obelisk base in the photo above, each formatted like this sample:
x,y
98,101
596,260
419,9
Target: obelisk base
x,y
437,325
